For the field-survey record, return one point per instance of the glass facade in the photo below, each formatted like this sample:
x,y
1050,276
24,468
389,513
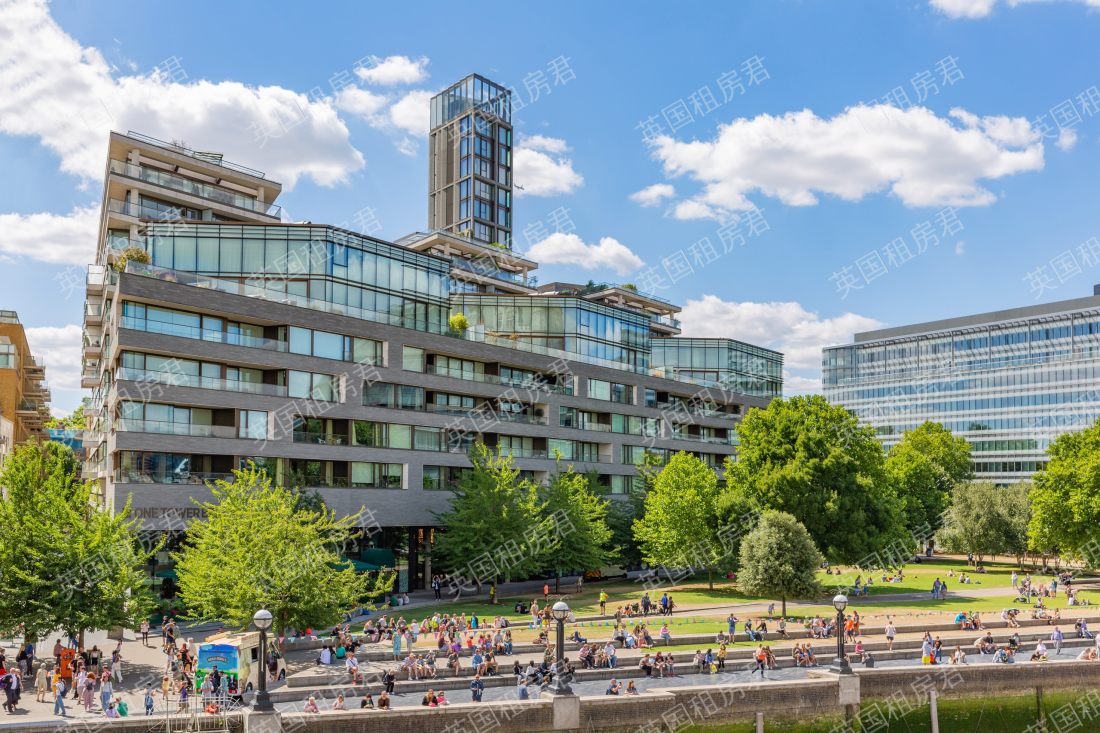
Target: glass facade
x,y
351,274
584,330
474,116
733,365
1009,387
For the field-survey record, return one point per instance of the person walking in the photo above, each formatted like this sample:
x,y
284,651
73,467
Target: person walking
x,y
760,658
41,684
149,703
1057,637
891,632
116,663
603,602
144,629
106,690
546,592
59,695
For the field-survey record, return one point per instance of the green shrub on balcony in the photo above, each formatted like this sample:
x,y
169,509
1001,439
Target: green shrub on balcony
x,y
457,324
130,254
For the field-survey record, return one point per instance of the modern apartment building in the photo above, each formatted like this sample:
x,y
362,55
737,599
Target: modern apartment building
x,y
326,356
470,161
1009,381
24,392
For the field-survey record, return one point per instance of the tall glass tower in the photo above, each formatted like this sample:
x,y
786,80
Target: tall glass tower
x,y
470,161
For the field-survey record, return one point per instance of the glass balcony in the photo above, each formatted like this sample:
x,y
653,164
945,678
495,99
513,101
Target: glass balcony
x,y
202,334
174,428
178,379
126,208
194,188
144,476
494,379
197,155
305,436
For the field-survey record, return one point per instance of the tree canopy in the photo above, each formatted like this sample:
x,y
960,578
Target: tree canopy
x,y
495,527
1065,497
579,518
779,560
986,519
923,469
680,527
258,548
66,562
811,459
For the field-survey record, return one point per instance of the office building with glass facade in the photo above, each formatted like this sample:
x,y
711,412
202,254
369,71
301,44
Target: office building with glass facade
x,y
1009,382
327,358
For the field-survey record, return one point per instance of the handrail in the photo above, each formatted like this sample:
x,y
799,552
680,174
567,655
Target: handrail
x,y
182,149
186,185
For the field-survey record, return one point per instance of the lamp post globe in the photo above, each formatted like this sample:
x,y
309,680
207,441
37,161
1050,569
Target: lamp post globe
x,y
560,685
840,666
262,621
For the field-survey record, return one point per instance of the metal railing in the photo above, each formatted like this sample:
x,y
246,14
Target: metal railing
x,y
173,428
306,436
142,476
212,158
201,334
189,186
494,379
179,379
140,211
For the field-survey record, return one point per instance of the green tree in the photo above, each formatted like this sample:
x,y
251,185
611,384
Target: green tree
x,y
779,559
986,519
806,457
76,420
579,518
1065,497
495,526
625,509
257,548
65,561
680,527
923,469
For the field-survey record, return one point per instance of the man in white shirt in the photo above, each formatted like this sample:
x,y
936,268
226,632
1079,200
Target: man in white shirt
x,y
352,665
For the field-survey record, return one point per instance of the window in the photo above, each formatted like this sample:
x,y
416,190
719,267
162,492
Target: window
x,y
412,359
650,397
253,424
376,475
312,386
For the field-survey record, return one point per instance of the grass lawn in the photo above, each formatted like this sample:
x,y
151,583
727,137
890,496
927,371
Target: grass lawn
x,y
694,597
972,715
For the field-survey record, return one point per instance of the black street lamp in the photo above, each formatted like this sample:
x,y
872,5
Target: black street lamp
x,y
840,666
262,703
560,685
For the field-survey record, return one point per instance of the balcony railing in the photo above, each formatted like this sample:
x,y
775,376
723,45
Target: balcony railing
x,y
523,452
194,188
93,310
201,334
306,436
174,428
139,211
494,379
476,267
197,155
667,320
178,379
140,476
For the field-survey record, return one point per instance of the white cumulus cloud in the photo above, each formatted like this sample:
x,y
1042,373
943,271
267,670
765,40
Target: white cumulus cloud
x,y
653,195
569,249
1067,139
983,8
64,239
60,348
394,70
541,168
360,102
69,97
923,159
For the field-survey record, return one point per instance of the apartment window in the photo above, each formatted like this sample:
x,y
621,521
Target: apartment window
x,y
460,368
412,359
366,351
650,397
567,417
563,449
376,475
613,392
312,386
253,424
443,477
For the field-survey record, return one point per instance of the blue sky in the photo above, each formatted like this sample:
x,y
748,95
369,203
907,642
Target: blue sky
x,y
866,163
